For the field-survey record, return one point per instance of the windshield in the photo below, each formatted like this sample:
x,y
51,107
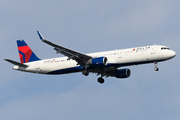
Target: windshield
x,y
165,48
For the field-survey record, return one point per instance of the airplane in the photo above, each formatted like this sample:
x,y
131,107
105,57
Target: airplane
x,y
105,64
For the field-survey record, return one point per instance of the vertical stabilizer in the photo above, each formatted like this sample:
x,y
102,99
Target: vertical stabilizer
x,y
25,52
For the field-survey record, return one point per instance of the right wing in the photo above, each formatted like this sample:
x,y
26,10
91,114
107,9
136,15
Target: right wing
x,y
80,58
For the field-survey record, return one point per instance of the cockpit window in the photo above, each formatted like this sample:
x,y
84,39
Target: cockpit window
x,y
165,48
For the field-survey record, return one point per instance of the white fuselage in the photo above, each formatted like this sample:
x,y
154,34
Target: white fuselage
x,y
116,58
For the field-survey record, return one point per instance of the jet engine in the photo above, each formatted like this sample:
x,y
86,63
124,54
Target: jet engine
x,y
100,61
122,73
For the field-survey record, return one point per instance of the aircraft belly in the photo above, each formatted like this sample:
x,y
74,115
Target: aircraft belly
x,y
65,67
66,70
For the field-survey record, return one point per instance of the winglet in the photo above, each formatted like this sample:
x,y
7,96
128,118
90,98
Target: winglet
x,y
40,36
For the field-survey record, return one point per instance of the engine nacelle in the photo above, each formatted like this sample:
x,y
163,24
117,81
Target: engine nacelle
x,y
100,61
122,73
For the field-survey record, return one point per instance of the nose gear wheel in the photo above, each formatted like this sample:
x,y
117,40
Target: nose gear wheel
x,y
156,68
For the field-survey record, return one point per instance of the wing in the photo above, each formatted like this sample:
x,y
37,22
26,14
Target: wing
x,y
80,58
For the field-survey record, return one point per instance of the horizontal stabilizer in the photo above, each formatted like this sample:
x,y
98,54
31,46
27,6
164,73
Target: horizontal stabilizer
x,y
16,63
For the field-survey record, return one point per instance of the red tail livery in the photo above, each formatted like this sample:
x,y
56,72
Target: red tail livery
x,y
25,52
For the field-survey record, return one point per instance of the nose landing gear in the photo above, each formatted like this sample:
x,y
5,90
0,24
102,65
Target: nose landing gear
x,y
156,68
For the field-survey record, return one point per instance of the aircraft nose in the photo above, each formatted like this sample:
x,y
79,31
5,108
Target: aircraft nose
x,y
173,54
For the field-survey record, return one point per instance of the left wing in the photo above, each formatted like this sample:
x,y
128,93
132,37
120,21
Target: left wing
x,y
80,58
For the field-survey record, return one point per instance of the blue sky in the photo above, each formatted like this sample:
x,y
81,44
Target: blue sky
x,y
90,26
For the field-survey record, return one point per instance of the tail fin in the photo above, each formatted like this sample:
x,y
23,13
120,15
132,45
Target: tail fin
x,y
25,52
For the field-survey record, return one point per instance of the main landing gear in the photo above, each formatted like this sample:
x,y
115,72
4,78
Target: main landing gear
x,y
156,68
100,80
85,72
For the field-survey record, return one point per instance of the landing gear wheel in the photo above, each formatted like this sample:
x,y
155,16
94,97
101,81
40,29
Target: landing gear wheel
x,y
156,69
85,72
100,80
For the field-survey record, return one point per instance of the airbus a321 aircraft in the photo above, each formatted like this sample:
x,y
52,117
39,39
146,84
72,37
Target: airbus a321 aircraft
x,y
105,64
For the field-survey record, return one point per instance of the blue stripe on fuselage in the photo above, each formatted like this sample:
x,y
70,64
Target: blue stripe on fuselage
x,y
67,70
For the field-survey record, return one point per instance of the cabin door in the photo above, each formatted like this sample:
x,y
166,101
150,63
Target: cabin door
x,y
153,50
